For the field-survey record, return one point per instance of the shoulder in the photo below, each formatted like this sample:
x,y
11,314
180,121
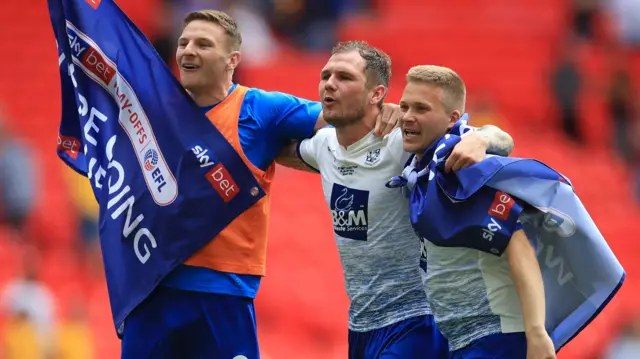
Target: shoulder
x,y
268,98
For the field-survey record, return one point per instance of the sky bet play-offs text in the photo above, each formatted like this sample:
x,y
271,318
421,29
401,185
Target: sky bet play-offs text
x,y
160,181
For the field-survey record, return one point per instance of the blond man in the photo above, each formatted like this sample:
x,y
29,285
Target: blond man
x,y
487,306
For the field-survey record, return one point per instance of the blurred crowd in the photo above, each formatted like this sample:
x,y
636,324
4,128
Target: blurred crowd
x,y
620,21
33,326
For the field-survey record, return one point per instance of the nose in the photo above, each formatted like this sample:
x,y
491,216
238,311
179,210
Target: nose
x,y
330,85
407,117
189,49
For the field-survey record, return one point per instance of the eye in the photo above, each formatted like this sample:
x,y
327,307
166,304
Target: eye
x,y
404,108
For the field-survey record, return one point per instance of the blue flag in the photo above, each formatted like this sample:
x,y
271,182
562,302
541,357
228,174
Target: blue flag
x,y
479,207
166,180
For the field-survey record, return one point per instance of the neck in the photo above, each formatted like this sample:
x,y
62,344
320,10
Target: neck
x,y
354,132
213,94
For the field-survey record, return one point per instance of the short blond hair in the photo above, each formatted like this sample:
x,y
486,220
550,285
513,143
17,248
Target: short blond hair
x,y
444,78
221,19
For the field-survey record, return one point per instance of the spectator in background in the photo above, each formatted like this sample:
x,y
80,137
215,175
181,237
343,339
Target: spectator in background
x,y
312,24
585,13
566,85
75,340
620,107
258,43
627,345
86,206
20,338
30,305
483,110
634,144
17,180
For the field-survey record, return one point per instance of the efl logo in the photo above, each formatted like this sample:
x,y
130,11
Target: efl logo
x,y
69,145
223,183
94,3
501,206
150,159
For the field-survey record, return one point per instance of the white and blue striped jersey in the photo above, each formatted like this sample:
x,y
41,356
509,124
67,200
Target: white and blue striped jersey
x,y
379,251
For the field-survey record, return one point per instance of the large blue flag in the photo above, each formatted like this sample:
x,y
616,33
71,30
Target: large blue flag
x,y
479,207
166,180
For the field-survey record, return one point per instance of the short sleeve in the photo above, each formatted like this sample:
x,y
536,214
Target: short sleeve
x,y
309,150
291,118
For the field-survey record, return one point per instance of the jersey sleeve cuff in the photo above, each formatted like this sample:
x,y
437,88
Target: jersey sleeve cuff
x,y
302,158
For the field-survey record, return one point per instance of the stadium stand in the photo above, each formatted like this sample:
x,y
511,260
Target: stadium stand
x,y
502,47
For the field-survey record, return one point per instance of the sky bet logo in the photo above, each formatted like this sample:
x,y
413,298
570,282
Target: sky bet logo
x,y
69,145
501,206
100,69
218,176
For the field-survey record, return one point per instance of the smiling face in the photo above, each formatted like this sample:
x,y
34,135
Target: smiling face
x,y
203,55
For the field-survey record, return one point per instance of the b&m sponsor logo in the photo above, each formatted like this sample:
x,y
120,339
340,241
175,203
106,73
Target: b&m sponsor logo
x,y
69,145
501,206
218,176
88,56
349,212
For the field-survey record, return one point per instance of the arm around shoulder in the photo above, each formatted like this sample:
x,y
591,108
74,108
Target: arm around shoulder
x,y
498,141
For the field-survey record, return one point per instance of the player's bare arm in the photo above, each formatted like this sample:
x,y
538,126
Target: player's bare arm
x,y
288,157
525,271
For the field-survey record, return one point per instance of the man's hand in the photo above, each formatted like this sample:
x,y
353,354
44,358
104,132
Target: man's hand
x,y
387,120
471,149
540,345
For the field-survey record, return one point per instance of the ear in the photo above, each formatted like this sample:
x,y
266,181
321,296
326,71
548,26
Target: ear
x,y
455,116
378,93
234,60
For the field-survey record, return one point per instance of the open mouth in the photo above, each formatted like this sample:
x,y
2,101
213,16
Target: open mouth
x,y
190,67
411,133
328,100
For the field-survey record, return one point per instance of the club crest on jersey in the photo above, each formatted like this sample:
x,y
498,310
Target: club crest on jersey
x,y
372,157
349,212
